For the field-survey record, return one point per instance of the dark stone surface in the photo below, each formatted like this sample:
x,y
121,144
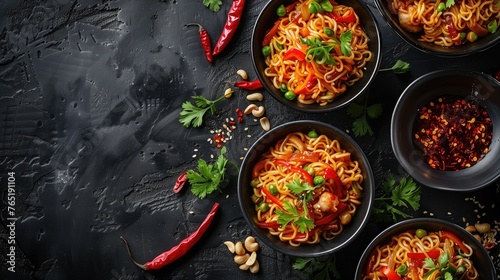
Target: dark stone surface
x,y
90,95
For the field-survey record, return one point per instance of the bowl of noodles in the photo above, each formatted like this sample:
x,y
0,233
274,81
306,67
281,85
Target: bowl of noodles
x,y
425,248
306,189
444,28
316,56
444,130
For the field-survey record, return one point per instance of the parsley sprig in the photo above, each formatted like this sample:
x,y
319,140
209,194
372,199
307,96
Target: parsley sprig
x,y
209,176
291,213
319,52
399,67
362,112
192,114
445,268
396,198
213,5
315,268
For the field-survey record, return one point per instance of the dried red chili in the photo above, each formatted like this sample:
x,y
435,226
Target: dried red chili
x,y
250,85
179,250
205,41
232,23
453,133
180,182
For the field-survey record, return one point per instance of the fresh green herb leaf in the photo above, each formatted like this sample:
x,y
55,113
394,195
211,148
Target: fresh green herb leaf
x,y
315,268
213,5
317,51
291,214
208,177
450,3
193,114
399,67
396,198
361,113
345,43
297,187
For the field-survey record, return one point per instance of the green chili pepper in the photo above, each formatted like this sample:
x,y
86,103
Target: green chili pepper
x,y
273,190
266,50
281,11
492,26
290,95
314,7
283,88
402,270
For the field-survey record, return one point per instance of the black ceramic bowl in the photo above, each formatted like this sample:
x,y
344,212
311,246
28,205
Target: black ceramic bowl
x,y
266,20
431,48
350,231
481,88
480,257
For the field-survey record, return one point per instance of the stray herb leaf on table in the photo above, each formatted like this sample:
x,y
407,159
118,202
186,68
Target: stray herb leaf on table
x,y
213,5
396,199
399,67
192,114
361,113
315,268
209,176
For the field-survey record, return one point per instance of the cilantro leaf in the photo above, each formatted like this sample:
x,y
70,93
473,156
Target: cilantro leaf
x,y
291,214
297,187
374,111
345,43
315,268
450,3
361,127
193,114
407,194
361,112
399,67
208,177
213,5
355,110
318,52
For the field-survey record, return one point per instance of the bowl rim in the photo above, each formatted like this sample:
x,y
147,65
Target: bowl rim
x,y
395,132
435,49
401,226
368,194
316,108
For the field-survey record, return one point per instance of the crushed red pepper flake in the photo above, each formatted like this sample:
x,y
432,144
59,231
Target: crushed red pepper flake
x,y
453,133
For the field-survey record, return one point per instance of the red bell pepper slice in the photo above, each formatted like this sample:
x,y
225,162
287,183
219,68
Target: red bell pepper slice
x,y
307,85
294,54
274,199
257,168
337,183
433,254
456,240
349,18
299,170
330,217
390,273
270,33
272,224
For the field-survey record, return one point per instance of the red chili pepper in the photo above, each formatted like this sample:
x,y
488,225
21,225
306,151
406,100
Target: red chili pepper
x,y
250,85
274,199
390,273
330,217
456,240
180,182
270,33
433,254
299,170
205,41
179,250
294,54
232,22
349,18
337,183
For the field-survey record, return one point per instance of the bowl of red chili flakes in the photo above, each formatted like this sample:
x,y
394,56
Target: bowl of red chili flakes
x,y
445,130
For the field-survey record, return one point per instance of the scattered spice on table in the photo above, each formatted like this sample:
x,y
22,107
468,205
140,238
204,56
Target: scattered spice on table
x,y
453,133
179,250
205,41
232,23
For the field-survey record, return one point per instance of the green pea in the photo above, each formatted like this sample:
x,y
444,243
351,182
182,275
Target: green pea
x,y
256,199
463,35
312,134
441,7
266,50
283,88
492,26
273,190
309,169
420,233
254,183
290,95
318,180
281,11
471,36
263,207
279,46
402,270
328,31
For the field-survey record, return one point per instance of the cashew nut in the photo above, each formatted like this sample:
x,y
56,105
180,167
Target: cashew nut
x,y
259,112
241,259
230,246
251,245
257,96
244,266
470,229
238,249
250,108
251,260
264,122
242,73
228,93
255,267
482,227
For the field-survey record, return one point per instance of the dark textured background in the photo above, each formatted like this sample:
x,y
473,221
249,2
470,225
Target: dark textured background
x,y
90,94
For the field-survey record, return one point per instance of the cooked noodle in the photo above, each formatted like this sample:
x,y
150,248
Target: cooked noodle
x,y
329,206
462,22
429,248
314,82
